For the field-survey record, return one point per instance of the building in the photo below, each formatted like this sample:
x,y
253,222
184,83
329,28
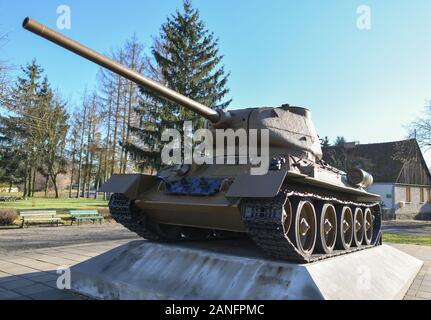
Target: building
x,y
401,176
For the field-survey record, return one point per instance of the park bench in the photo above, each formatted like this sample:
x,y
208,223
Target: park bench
x,y
39,216
82,215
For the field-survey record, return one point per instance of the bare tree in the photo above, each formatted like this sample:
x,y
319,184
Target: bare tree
x,y
4,69
135,60
82,123
420,129
114,96
54,152
74,143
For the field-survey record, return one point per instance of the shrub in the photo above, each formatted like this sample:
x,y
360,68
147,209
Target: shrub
x,y
105,214
7,217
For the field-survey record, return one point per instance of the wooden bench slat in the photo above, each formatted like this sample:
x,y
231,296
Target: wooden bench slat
x,y
90,217
42,218
37,213
82,212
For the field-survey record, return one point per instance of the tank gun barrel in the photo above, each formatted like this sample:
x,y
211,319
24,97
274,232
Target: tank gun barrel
x,y
103,61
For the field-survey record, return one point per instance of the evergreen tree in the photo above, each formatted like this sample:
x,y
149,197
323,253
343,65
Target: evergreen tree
x,y
324,142
12,154
23,103
34,130
187,60
340,141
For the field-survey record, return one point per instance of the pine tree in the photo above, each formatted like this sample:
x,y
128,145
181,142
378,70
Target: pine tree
x,y
12,154
23,102
35,128
187,60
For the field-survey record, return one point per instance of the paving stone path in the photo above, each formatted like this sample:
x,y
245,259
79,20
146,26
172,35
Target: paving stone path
x,y
32,275
421,287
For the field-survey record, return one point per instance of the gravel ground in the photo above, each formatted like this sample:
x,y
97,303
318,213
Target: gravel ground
x,y
413,227
46,237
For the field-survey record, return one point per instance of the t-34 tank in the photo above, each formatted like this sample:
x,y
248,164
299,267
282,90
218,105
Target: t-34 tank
x,y
302,209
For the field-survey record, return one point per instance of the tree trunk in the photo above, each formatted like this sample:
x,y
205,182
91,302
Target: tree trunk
x,y
99,172
25,186
87,176
81,150
72,173
33,182
90,170
46,185
54,182
133,66
71,181
108,142
129,113
10,186
123,134
117,112
29,183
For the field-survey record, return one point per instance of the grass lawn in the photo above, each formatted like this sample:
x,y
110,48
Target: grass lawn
x,y
61,205
406,239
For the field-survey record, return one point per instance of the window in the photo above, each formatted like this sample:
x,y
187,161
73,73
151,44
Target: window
x,y
408,194
428,195
422,192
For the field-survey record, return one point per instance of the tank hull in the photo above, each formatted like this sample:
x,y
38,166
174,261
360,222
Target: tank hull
x,y
214,213
220,211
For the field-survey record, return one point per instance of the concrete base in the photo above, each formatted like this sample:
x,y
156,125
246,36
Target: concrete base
x,y
238,270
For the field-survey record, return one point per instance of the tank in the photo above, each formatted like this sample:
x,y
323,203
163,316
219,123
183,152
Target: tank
x,y
301,210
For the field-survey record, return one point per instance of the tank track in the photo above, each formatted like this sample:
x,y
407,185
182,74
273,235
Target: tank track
x,y
263,222
122,211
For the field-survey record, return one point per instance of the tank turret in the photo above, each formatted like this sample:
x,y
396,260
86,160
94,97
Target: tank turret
x,y
302,209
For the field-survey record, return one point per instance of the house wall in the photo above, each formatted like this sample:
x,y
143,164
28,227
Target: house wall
x,y
386,192
415,209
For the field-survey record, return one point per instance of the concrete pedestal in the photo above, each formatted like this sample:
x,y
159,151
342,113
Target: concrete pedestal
x,y
236,269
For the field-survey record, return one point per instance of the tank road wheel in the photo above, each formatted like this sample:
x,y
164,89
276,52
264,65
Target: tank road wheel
x,y
345,228
326,227
287,217
358,234
303,230
368,226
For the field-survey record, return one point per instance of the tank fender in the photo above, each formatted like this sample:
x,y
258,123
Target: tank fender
x,y
130,185
253,186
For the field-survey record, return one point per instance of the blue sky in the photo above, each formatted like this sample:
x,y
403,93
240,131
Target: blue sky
x,y
365,85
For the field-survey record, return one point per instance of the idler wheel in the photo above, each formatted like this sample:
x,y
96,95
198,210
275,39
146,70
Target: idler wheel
x,y
358,229
345,228
368,226
326,228
303,230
